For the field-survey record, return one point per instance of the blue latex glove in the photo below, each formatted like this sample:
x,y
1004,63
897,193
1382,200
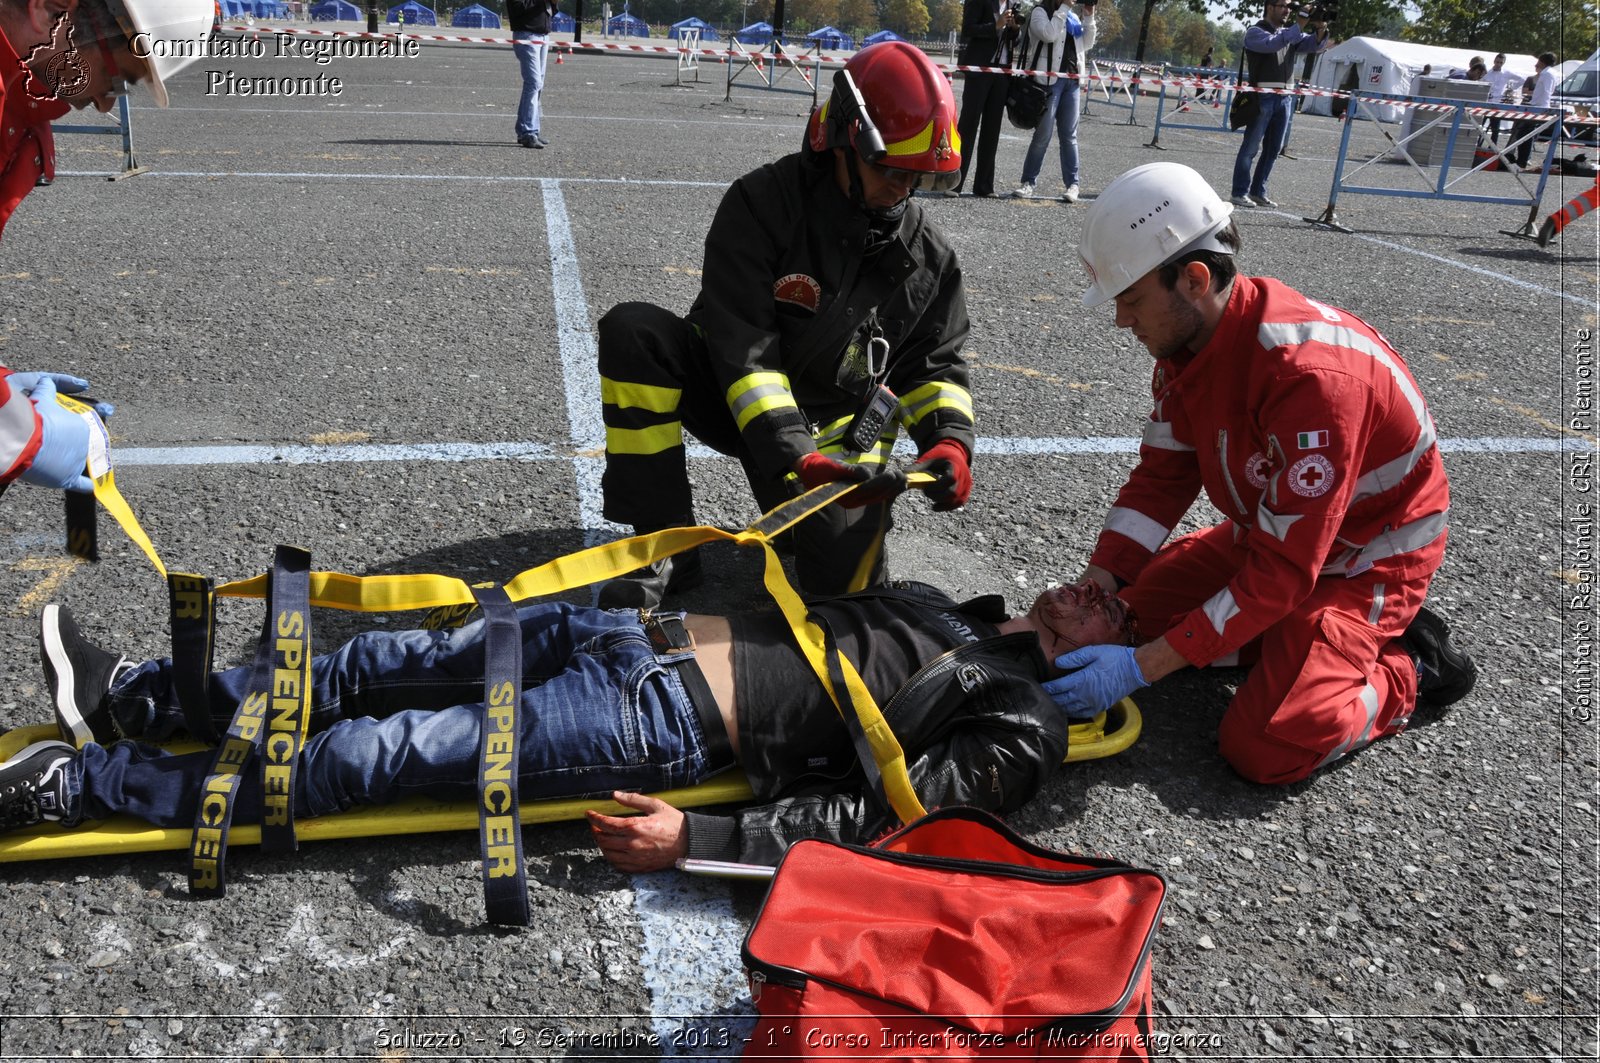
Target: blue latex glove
x,y
1104,676
64,383
63,442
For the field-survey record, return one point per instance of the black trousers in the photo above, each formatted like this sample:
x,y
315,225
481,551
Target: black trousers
x,y
647,354
983,109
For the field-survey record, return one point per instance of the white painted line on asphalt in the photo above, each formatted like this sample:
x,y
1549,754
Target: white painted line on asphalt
x,y
1001,446
580,372
757,123
309,175
690,958
1505,278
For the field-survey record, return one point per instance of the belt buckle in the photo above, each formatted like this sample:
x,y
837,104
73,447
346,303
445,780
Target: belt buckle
x,y
667,634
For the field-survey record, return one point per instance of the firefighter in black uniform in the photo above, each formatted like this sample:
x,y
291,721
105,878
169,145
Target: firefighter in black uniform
x,y
830,312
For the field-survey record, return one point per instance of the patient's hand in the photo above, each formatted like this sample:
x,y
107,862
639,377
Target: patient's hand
x,y
648,842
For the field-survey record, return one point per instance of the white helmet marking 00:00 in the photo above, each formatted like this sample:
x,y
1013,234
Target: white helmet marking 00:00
x,y
1144,219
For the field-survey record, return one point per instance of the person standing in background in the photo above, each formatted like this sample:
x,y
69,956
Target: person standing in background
x,y
530,29
1271,47
989,35
1544,86
1067,41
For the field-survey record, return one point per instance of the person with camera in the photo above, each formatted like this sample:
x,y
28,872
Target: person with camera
x,y
831,312
1310,435
1271,49
989,30
1057,41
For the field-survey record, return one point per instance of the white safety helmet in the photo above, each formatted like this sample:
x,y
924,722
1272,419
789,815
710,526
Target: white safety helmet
x,y
165,36
1144,219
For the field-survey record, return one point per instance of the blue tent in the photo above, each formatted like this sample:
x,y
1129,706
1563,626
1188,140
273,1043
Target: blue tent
x,y
327,11
561,22
755,33
626,25
476,16
829,37
707,32
881,36
415,13
270,9
236,9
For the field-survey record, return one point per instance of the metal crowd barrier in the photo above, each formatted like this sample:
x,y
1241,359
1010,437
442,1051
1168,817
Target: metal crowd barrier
x,y
123,127
782,64
689,58
1434,138
1113,85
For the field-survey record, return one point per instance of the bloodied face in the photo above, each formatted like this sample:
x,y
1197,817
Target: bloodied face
x,y
1080,614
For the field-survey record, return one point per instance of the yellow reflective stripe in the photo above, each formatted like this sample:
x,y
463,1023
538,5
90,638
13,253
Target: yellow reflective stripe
x,y
935,396
639,396
755,394
653,440
912,145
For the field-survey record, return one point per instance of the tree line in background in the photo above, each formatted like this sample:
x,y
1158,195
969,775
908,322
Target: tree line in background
x,y
1174,31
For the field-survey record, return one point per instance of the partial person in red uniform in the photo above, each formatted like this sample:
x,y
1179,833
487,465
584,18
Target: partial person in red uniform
x,y
1307,431
56,55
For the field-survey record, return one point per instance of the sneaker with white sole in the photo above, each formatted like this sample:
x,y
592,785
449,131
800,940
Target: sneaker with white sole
x,y
33,786
1024,191
1242,201
80,675
1263,201
1070,195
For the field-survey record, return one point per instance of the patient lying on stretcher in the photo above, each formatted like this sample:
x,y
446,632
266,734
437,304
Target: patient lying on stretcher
x,y
613,704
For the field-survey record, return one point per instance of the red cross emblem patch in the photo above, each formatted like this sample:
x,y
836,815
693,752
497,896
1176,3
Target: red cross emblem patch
x,y
1311,476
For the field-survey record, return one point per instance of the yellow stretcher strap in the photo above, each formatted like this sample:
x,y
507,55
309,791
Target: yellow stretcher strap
x,y
396,593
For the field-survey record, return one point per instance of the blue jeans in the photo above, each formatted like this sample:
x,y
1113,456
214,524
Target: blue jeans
x,y
1062,116
1264,135
531,56
399,714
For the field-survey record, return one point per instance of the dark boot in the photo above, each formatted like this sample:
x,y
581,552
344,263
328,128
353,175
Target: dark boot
x,y
1445,675
644,588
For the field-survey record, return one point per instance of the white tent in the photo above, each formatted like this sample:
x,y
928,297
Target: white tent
x,y
1389,66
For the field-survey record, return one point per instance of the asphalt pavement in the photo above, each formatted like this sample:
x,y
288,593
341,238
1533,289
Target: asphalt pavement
x,y
361,323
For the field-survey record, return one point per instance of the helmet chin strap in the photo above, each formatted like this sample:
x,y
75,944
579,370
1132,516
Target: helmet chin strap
x,y
882,222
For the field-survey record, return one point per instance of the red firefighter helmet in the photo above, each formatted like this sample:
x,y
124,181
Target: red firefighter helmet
x,y
895,108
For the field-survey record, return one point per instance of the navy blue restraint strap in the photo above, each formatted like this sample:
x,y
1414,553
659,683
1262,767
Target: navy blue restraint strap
x,y
289,691
288,585
505,887
193,611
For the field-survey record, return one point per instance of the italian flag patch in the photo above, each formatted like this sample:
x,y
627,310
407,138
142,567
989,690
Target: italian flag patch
x,y
1313,440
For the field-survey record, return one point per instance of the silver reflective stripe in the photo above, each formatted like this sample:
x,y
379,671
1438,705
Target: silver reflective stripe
x,y
1275,525
1158,434
1392,543
1282,333
1377,604
1385,476
1136,526
1369,701
778,388
1220,609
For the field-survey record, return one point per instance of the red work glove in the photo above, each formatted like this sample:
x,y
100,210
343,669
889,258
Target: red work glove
x,y
950,462
816,469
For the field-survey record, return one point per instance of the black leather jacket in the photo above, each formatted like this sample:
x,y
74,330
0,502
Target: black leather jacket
x,y
977,728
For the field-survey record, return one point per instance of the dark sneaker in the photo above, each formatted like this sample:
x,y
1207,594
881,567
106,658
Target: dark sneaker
x,y
644,588
80,675
530,141
1445,675
32,785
